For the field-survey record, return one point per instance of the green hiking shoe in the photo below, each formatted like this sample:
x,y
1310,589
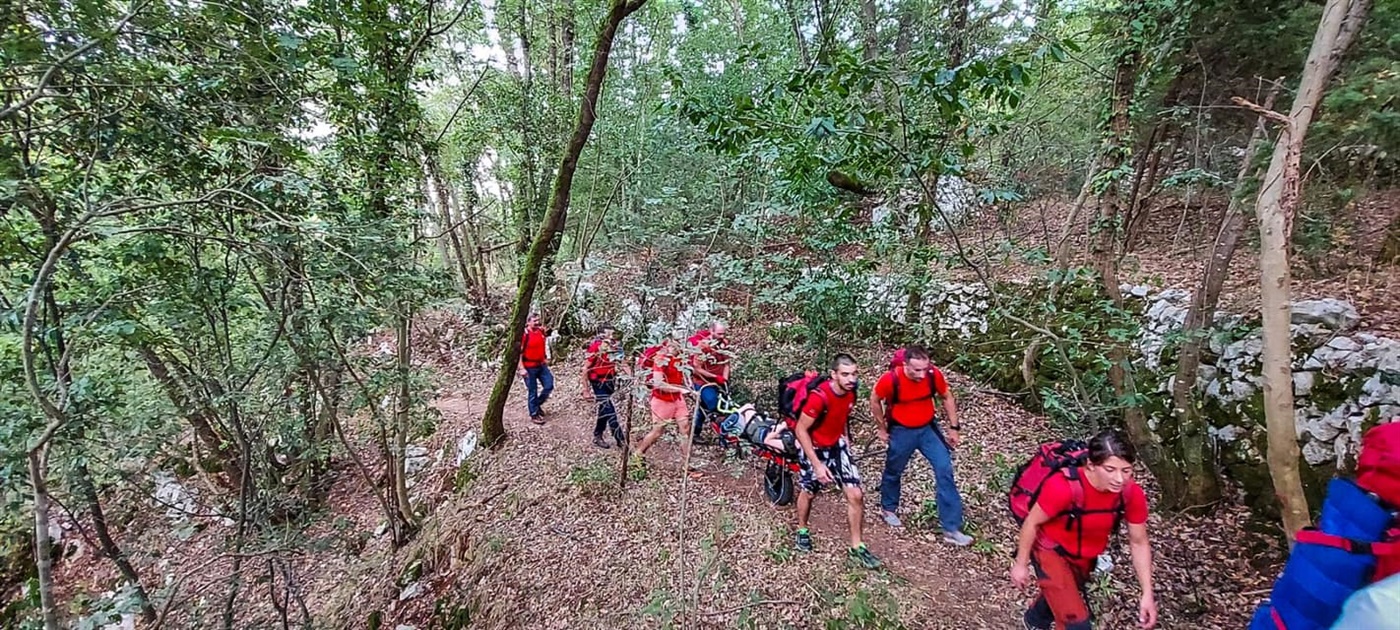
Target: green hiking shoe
x,y
862,555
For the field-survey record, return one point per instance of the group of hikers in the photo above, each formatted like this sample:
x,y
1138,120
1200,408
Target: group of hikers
x,y
1066,522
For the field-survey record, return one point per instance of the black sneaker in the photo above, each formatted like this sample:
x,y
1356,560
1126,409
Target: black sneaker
x,y
862,555
599,442
804,540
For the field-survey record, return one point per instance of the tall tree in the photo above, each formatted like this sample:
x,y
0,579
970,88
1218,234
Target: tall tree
x,y
493,429
1341,21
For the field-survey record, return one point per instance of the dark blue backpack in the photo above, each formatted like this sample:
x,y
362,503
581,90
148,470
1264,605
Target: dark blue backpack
x,y
1331,561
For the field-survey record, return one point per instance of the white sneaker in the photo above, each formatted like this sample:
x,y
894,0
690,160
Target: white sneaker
x,y
1104,564
957,538
892,520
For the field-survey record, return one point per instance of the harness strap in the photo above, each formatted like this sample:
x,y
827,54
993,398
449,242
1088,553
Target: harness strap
x,y
1314,536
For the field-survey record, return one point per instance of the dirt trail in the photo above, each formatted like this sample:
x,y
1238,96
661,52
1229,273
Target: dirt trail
x,y
925,583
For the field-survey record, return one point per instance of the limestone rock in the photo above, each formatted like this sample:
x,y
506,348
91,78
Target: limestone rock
x,y
1333,313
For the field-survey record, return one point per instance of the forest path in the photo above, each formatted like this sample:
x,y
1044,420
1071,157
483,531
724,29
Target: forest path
x,y
725,558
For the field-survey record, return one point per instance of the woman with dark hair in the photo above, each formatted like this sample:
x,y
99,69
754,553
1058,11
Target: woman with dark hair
x,y
1069,526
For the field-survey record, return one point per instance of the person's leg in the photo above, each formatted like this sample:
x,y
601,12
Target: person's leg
x,y
680,412
609,411
658,411
1039,616
902,444
600,401
547,386
532,385
843,468
1062,586
950,506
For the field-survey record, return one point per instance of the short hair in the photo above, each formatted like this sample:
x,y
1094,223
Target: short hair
x,y
915,353
605,328
840,360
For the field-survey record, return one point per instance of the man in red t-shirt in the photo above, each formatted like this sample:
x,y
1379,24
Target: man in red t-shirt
x,y
1063,550
600,382
902,405
669,387
825,455
534,368
709,369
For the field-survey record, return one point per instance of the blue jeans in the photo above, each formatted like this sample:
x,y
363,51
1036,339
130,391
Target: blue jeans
x,y
903,443
709,401
607,413
539,383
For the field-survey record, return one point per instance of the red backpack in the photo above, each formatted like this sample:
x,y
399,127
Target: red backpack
x,y
1063,457
647,359
1378,472
793,391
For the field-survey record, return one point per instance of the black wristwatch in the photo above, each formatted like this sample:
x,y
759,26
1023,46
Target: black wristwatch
x,y
955,427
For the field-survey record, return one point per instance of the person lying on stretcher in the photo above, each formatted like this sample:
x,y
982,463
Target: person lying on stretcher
x,y
758,429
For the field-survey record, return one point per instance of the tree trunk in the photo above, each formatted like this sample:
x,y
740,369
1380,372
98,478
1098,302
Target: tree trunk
x,y
110,549
566,50
795,22
1104,248
869,25
43,545
1191,440
195,412
1278,199
492,424
449,227
402,420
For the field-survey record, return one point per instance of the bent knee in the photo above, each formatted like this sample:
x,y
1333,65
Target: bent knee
x,y
854,494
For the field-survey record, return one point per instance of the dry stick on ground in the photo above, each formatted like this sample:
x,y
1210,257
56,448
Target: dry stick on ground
x,y
765,602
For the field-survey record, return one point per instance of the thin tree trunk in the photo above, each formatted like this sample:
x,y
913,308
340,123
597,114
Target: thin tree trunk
x,y
493,425
402,421
43,552
795,22
1278,199
1202,484
566,50
110,549
1105,249
1062,248
449,227
869,21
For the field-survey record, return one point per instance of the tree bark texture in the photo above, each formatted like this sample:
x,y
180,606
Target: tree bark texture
x,y
1278,200
493,423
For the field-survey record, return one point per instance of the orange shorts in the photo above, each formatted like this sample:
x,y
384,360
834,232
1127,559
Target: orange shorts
x,y
664,410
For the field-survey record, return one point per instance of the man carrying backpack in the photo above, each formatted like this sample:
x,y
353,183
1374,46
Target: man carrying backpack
x,y
600,381
709,369
534,368
825,455
902,405
1073,510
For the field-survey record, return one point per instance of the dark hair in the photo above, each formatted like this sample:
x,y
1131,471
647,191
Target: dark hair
x,y
840,360
1111,443
605,328
915,353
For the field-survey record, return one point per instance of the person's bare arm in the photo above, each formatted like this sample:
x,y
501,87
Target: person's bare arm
x,y
804,438
1141,549
1021,566
877,411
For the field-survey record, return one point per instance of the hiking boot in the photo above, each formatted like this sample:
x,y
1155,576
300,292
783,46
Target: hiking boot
x,y
892,520
804,540
956,537
599,442
862,555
